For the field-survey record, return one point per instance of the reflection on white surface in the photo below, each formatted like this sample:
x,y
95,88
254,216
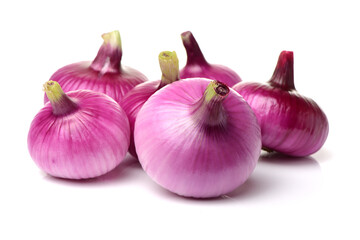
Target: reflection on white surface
x,y
277,178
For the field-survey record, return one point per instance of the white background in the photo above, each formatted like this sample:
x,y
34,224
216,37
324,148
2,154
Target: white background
x,y
311,198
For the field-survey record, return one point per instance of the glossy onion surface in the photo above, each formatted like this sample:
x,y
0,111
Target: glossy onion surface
x,y
105,74
82,76
290,123
85,143
197,66
135,99
185,151
132,103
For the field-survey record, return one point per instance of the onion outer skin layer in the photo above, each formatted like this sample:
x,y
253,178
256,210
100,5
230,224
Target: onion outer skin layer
x,y
135,99
184,149
104,74
132,103
197,66
290,123
86,142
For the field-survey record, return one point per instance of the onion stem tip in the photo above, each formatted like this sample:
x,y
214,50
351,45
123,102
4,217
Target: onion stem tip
x,y
53,90
216,90
112,38
169,65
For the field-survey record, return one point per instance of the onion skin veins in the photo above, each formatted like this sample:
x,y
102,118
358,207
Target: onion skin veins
x,y
197,66
135,99
104,74
78,135
197,138
290,123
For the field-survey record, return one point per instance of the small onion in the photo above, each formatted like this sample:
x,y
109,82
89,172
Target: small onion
x,y
80,134
197,66
197,138
105,74
290,123
135,99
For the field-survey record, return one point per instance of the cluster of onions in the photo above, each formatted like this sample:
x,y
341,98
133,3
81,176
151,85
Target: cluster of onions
x,y
82,132
197,132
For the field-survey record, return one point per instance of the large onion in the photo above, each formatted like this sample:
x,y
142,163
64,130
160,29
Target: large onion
x,y
197,138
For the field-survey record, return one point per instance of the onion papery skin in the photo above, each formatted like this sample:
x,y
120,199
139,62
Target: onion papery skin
x,y
290,123
132,103
190,158
135,99
197,66
105,74
81,76
210,71
85,143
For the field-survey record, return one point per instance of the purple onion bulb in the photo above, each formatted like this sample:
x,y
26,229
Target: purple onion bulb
x,y
79,134
197,138
290,123
135,99
197,66
105,74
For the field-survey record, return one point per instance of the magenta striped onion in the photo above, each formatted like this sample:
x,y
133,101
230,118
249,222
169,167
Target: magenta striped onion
x,y
197,138
135,99
77,135
197,66
105,74
290,123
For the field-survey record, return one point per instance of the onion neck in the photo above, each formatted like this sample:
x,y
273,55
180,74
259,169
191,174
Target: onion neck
x,y
169,65
194,54
60,102
109,55
209,110
283,76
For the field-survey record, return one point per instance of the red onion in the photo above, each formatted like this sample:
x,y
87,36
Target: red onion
x,y
80,134
135,99
290,123
105,74
197,138
197,66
